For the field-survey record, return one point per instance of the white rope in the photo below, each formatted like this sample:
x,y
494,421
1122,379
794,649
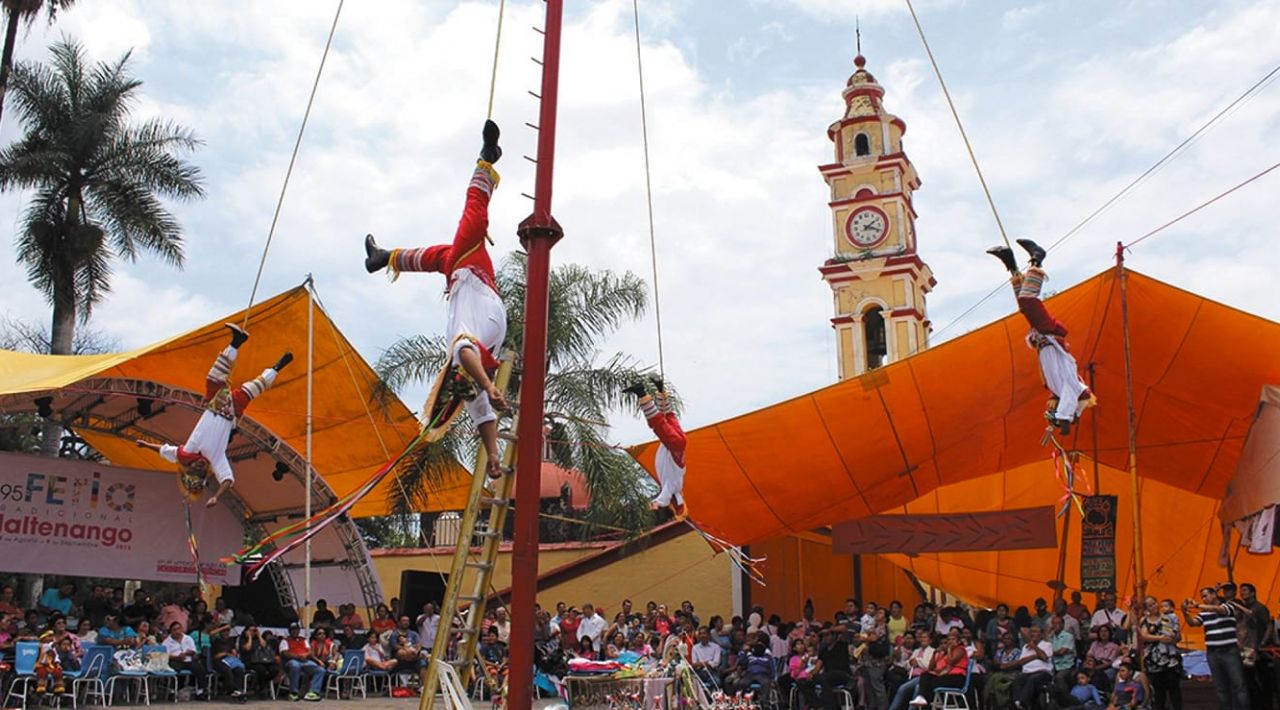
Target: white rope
x,y
648,191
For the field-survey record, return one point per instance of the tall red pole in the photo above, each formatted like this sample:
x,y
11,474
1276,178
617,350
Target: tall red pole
x,y
538,233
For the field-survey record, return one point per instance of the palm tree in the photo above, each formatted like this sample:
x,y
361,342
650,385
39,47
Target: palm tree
x,y
582,388
22,12
96,179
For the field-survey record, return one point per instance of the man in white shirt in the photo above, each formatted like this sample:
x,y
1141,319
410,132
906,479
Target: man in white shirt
x,y
1037,669
706,657
183,656
593,626
946,622
428,624
1108,615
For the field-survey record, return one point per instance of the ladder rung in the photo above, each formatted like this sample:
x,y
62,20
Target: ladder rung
x,y
479,565
507,435
471,598
487,533
487,500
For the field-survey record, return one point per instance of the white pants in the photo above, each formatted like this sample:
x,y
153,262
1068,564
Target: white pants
x,y
671,476
209,439
477,311
1063,378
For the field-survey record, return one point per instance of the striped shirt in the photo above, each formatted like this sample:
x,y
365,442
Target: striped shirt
x,y
1219,629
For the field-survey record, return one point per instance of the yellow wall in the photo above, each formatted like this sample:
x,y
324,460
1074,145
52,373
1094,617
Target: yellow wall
x,y
669,572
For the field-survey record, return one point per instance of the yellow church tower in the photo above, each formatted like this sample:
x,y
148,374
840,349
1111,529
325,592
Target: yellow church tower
x,y
878,281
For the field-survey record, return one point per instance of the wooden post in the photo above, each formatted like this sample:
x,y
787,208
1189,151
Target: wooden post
x,y
1135,488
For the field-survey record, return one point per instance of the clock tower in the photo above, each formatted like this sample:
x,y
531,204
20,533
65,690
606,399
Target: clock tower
x,y
877,279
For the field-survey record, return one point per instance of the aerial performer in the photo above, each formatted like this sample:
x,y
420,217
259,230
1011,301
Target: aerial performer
x,y
206,447
1048,336
669,460
477,317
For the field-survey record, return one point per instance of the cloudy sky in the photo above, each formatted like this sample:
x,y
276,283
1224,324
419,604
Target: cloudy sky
x,y
1065,101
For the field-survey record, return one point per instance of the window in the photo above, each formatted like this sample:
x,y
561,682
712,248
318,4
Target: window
x,y
862,145
874,336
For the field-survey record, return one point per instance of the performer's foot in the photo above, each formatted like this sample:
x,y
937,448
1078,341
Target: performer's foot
x,y
282,362
1064,427
636,389
375,257
1036,251
490,152
238,334
1005,255
658,384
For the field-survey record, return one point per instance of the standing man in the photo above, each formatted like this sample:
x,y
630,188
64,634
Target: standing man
x,y
183,657
1256,632
1108,615
428,625
705,658
592,627
1064,655
1221,647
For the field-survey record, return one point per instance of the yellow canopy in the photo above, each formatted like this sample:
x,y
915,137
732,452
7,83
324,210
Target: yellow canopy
x,y
353,432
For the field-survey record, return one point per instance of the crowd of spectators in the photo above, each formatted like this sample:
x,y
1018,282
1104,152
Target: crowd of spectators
x,y
1059,654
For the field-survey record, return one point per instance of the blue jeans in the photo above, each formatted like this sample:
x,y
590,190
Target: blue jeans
x,y
294,668
1228,677
905,693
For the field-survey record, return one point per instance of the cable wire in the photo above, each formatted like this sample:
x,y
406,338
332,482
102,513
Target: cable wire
x,y
648,190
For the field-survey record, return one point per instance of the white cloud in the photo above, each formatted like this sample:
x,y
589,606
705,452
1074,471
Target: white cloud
x,y
740,210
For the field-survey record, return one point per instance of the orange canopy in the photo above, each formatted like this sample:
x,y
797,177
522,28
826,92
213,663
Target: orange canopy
x,y
353,432
957,428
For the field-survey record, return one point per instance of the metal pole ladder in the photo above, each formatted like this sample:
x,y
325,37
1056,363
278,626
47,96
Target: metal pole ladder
x,y
471,575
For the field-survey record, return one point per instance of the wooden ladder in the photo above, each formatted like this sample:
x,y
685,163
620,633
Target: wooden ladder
x,y
471,575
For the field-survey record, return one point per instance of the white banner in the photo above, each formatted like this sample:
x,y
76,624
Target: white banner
x,y
91,520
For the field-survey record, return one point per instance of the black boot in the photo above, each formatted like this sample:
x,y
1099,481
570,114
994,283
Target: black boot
x,y
238,335
658,384
635,389
1036,251
282,362
1005,255
490,152
375,257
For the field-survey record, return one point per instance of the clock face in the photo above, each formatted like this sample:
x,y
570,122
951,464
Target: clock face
x,y
867,227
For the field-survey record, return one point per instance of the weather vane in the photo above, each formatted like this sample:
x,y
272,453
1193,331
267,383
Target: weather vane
x,y
857,31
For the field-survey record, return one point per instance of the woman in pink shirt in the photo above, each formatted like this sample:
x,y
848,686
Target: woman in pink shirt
x,y
800,667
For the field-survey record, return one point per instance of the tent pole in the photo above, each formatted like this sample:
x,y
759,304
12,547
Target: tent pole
x,y
1139,582
1097,474
1061,586
311,330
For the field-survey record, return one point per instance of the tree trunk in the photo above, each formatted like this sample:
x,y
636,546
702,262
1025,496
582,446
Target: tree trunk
x,y
6,59
61,338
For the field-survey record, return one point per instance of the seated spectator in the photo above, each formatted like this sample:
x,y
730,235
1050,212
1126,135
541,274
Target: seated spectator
x,y
259,656
347,639
140,610
222,616
322,617
227,662
585,650
405,647
1036,660
323,651
58,625
382,621
201,636
1001,624
117,636
949,672
617,644
705,658
57,600
759,670
918,663
1064,655
1084,694
85,632
833,655
183,656
48,666
9,601
146,635
1103,652
171,612
493,651
375,656
1129,692
296,653
1003,670
95,607
7,641
349,617
67,656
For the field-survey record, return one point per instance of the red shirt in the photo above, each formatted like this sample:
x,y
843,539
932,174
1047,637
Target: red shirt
x,y
296,647
569,631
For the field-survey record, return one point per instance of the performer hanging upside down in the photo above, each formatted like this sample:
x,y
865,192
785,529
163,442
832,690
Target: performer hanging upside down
x,y
477,316
1048,336
206,447
669,460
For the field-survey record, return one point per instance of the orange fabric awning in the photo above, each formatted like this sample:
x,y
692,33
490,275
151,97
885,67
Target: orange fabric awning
x,y
957,428
349,442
